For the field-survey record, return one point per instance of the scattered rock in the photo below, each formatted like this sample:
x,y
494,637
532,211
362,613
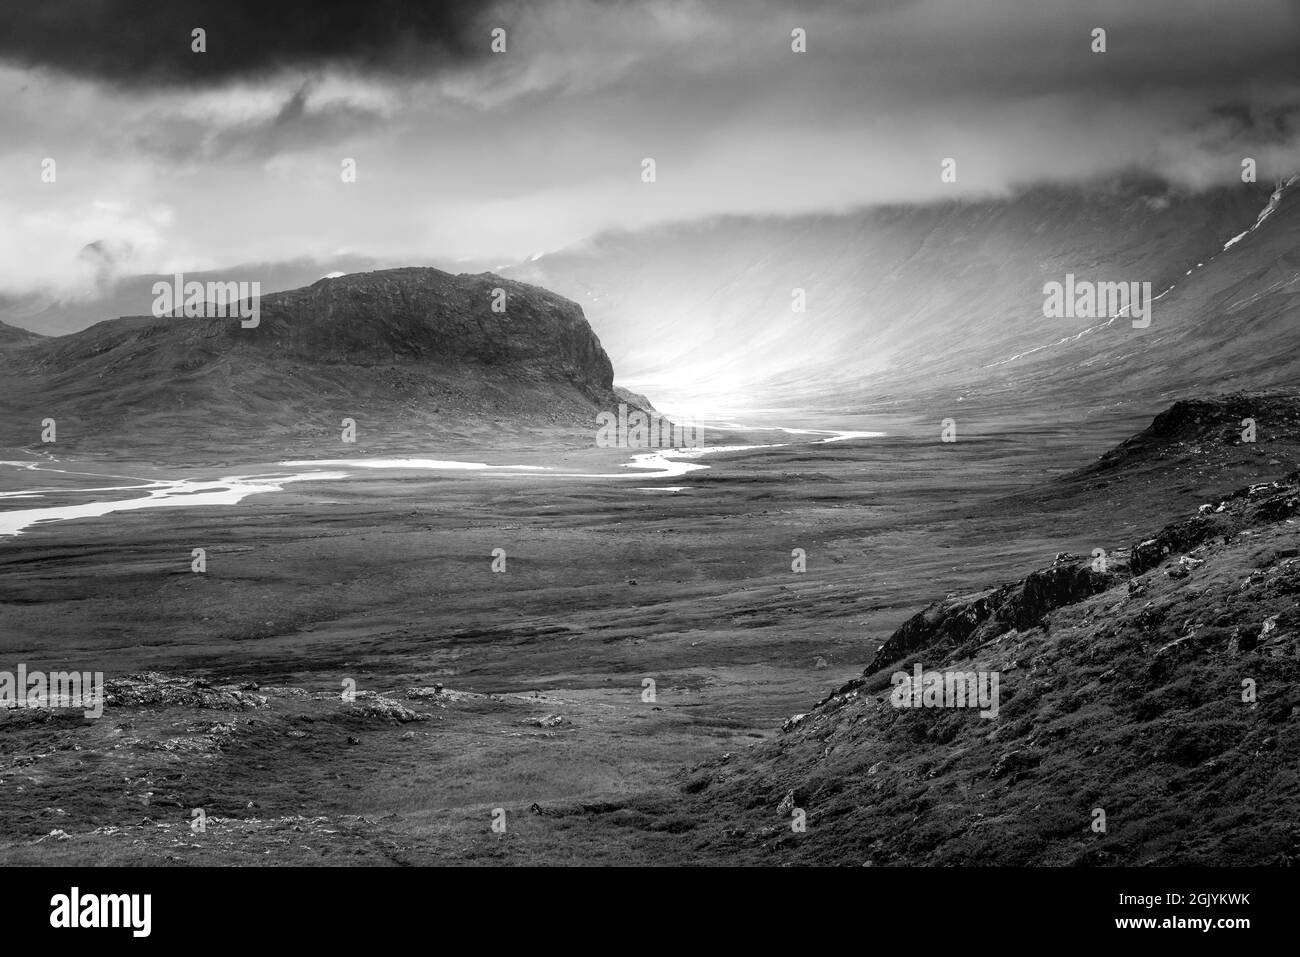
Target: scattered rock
x,y
153,689
1014,763
370,705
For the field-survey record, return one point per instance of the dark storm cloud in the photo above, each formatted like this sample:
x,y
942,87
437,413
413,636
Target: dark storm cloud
x,y
923,47
135,43
995,49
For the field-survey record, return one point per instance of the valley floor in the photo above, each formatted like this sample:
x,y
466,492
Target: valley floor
x,y
523,690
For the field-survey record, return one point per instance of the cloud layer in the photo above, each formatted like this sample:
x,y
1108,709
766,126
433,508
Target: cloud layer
x,y
182,160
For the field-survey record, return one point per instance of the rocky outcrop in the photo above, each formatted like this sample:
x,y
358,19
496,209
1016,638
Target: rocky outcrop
x,y
155,690
973,619
635,399
962,623
1203,424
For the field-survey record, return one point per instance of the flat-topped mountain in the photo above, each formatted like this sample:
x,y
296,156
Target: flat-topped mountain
x,y
413,349
416,315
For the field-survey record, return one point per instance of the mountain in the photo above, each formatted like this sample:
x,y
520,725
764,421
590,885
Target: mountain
x,y
405,352
1158,688
911,306
932,302
1228,321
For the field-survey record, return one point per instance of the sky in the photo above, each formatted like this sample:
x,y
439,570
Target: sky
x,y
167,159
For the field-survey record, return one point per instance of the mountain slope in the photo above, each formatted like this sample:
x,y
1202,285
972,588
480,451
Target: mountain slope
x,y
1162,690
12,336
898,299
1231,322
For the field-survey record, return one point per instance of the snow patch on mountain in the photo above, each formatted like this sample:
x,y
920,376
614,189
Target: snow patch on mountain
x,y
1267,211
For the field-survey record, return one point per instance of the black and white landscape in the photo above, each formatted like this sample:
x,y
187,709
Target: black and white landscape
x,y
650,433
